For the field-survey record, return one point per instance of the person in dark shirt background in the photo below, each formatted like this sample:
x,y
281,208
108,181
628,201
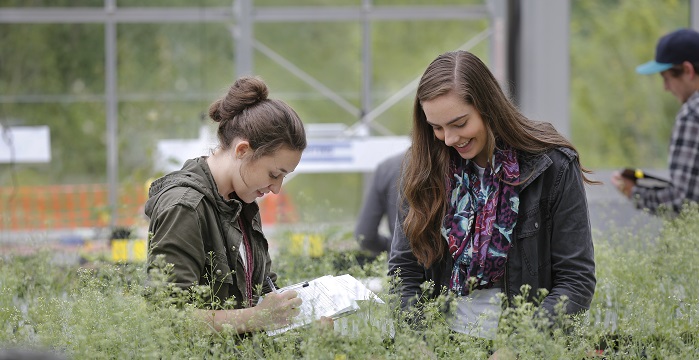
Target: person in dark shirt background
x,y
380,202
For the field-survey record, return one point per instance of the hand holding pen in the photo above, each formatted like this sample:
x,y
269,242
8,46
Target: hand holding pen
x,y
280,307
325,322
275,290
271,285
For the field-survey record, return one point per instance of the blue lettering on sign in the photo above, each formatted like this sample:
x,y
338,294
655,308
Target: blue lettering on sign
x,y
335,152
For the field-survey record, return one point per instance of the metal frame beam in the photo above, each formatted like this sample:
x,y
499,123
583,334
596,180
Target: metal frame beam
x,y
81,15
118,15
369,12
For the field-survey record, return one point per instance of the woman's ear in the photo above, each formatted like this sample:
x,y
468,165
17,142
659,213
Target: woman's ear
x,y
242,149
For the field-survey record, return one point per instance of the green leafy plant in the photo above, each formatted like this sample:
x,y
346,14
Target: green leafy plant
x,y
645,306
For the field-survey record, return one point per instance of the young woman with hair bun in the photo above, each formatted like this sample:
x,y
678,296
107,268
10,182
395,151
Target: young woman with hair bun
x,y
204,219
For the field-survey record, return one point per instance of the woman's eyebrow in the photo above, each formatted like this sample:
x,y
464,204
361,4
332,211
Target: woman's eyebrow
x,y
450,121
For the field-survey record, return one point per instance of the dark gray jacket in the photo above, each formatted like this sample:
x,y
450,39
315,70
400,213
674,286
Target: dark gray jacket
x,y
552,246
197,231
380,200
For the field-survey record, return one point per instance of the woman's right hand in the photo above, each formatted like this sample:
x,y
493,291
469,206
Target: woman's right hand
x,y
279,308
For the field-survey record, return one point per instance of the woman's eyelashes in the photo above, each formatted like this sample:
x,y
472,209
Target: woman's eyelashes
x,y
281,175
456,125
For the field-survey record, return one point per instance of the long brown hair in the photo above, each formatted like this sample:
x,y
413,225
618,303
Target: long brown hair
x,y
424,185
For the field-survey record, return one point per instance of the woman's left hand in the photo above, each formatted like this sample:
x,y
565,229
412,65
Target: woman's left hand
x,y
325,323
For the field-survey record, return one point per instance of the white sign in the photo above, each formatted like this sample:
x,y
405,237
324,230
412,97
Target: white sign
x,y
360,154
25,144
172,153
330,155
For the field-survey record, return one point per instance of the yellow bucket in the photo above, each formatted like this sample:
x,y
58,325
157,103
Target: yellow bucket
x,y
306,244
129,250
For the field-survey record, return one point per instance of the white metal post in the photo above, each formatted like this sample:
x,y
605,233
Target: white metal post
x,y
367,66
543,83
243,37
112,103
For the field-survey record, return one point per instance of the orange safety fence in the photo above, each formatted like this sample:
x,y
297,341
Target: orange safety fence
x,y
54,207
277,208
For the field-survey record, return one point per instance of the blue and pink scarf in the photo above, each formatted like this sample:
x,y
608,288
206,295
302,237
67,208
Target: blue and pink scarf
x,y
480,219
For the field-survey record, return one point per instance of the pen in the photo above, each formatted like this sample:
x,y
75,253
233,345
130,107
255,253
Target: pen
x,y
271,285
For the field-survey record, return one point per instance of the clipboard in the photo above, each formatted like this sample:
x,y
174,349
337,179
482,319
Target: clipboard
x,y
330,296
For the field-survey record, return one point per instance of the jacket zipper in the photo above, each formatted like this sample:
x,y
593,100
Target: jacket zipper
x,y
507,275
507,281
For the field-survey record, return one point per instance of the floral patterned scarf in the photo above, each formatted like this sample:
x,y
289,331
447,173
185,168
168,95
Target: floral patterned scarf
x,y
480,219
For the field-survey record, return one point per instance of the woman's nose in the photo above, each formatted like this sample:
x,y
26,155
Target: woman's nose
x,y
450,138
275,187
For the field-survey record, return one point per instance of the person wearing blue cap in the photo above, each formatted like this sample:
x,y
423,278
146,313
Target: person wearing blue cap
x,y
677,61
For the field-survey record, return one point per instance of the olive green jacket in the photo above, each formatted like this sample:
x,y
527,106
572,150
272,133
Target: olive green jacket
x,y
198,232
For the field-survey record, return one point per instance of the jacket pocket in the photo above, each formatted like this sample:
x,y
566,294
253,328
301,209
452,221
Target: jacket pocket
x,y
529,229
218,271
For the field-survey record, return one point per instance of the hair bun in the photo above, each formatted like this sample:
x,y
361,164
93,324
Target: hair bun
x,y
244,93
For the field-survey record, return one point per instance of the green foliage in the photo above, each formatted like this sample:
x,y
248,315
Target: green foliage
x,y
44,82
645,306
296,261
99,314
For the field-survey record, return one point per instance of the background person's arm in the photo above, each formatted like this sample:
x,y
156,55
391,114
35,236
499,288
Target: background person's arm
x,y
373,210
684,167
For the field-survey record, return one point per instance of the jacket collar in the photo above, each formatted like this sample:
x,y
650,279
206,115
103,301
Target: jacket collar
x,y
234,207
195,174
531,166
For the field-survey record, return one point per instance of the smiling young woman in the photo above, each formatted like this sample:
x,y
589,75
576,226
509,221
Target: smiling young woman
x,y
459,125
490,201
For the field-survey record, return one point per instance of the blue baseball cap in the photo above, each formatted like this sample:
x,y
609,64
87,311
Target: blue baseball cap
x,y
672,49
